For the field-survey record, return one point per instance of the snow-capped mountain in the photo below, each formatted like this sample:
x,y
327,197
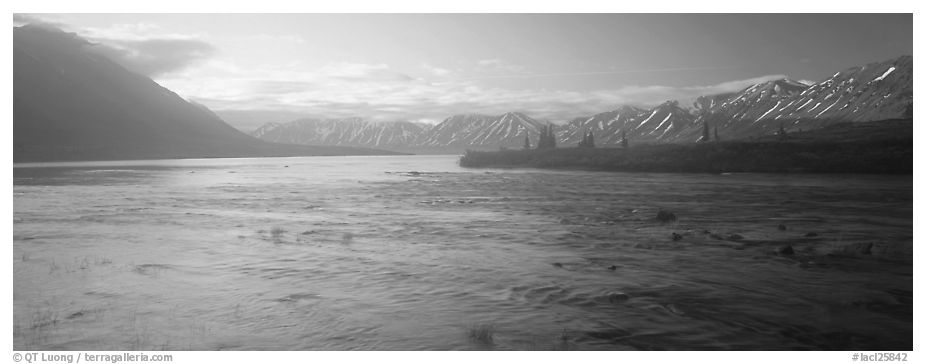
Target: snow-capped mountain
x,y
605,126
661,123
343,132
456,132
476,131
752,103
877,91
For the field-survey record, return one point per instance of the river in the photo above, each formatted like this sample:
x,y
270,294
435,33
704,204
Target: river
x,y
417,253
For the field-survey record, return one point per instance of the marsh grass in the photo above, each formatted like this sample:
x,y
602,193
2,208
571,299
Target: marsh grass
x,y
482,334
51,323
560,342
141,334
237,312
172,331
44,317
153,270
85,263
37,329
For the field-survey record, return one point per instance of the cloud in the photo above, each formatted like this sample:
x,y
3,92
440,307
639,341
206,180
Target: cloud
x,y
435,71
380,93
154,57
361,72
145,48
495,66
489,62
149,49
277,38
726,87
518,74
133,31
24,19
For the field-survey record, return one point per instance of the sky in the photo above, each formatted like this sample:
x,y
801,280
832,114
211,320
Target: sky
x,y
258,68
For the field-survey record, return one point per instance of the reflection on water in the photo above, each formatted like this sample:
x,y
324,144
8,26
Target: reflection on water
x,y
415,253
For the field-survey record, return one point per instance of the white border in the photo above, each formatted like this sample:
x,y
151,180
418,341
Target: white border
x,y
418,6
456,6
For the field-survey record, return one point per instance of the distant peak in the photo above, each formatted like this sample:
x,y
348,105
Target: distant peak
x,y
628,108
465,117
514,114
902,61
668,104
49,35
788,82
38,27
899,59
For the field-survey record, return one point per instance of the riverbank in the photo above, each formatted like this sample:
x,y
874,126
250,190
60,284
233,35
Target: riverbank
x,y
874,157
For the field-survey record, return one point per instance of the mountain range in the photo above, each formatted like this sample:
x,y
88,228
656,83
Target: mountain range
x,y
873,92
346,132
72,103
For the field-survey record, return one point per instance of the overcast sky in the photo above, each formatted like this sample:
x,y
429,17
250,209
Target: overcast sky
x,y
253,69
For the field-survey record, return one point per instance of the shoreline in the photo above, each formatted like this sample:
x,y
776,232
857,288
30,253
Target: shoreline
x,y
894,157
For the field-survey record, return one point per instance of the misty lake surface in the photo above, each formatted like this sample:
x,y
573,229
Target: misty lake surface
x,y
417,253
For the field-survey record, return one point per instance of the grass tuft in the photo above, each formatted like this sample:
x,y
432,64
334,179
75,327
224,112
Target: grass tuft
x,y
44,317
482,333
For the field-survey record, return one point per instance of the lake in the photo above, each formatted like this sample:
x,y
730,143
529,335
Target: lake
x,y
417,253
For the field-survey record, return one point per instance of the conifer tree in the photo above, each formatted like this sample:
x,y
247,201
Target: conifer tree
x,y
547,138
586,141
624,143
716,138
542,139
552,137
706,136
527,141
